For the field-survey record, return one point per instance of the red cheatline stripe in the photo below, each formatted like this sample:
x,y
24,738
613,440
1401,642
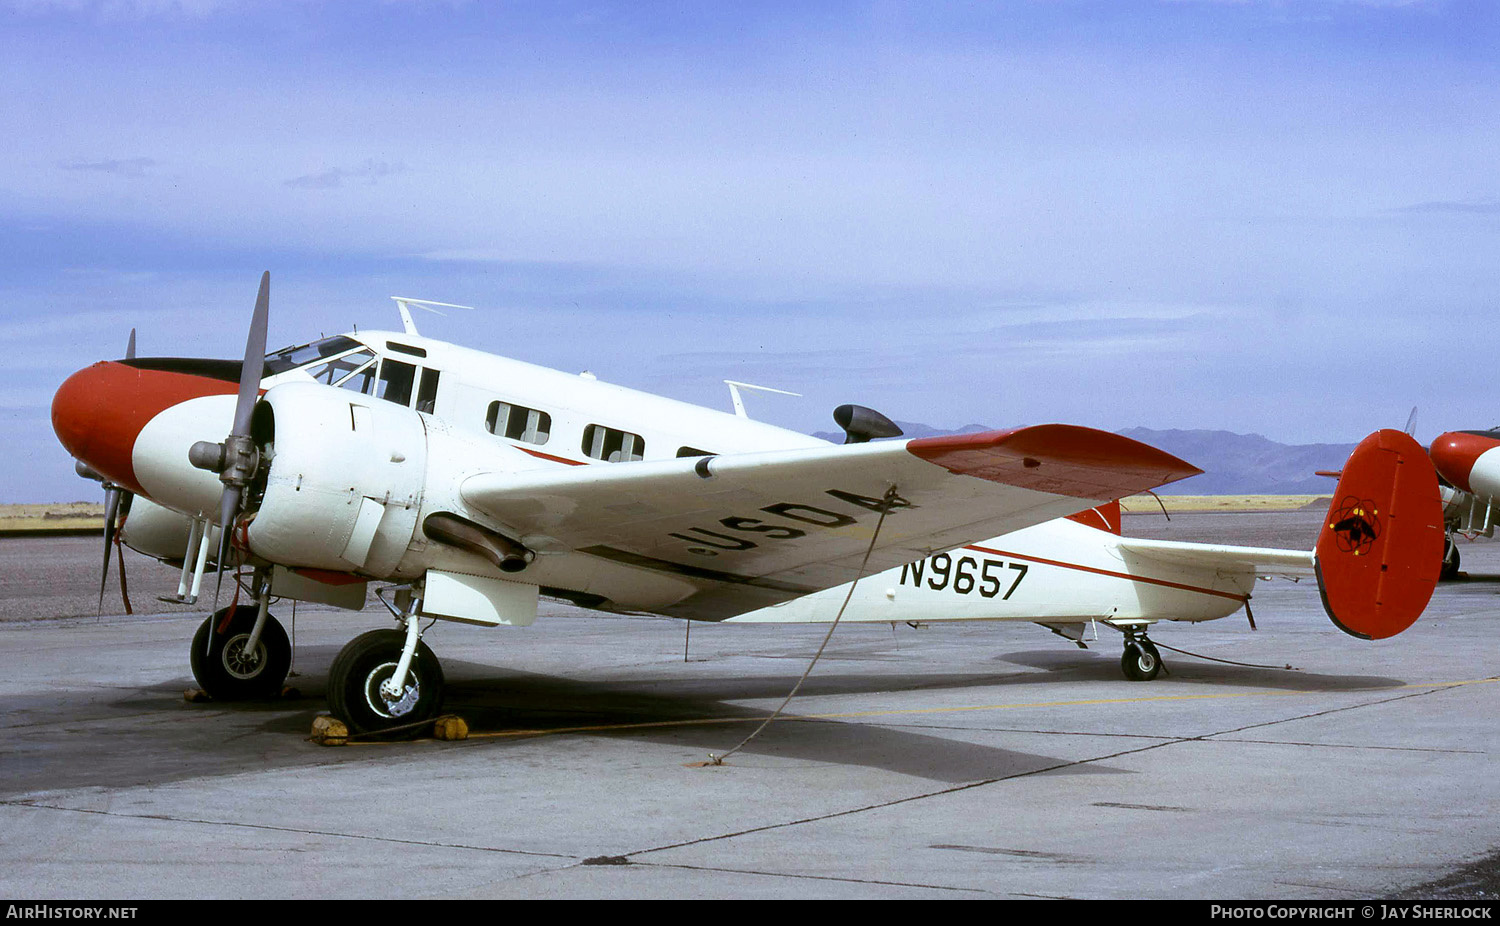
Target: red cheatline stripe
x,y
1115,575
548,456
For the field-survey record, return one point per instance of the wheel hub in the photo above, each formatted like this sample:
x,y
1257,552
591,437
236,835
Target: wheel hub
x,y
240,663
387,707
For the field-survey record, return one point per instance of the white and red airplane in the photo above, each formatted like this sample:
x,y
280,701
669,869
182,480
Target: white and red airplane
x,y
475,484
1469,464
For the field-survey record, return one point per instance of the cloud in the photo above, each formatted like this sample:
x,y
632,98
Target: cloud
x,y
371,172
134,168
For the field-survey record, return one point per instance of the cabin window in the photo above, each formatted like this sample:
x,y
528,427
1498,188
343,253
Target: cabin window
x,y
519,423
396,380
427,391
334,371
694,452
611,445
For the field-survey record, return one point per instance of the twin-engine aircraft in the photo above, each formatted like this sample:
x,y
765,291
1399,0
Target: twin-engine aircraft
x,y
1469,464
474,484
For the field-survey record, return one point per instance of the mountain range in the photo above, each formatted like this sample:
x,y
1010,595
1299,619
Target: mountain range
x,y
1232,464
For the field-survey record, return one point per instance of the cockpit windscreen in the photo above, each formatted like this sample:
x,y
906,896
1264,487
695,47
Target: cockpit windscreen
x,y
291,357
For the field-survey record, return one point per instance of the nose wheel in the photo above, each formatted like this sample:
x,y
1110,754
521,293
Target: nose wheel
x,y
1141,661
228,668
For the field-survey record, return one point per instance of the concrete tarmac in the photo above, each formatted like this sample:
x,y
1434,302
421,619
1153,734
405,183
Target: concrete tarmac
x,y
950,761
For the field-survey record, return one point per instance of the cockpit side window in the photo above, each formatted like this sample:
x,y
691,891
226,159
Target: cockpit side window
x,y
331,372
396,379
427,391
361,382
292,357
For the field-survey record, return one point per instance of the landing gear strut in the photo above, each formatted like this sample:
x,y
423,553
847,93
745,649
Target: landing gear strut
x,y
1141,662
387,681
1450,560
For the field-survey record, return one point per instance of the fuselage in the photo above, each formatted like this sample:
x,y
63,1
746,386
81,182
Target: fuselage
x,y
132,421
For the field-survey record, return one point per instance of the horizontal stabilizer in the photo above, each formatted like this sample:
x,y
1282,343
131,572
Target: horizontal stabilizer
x,y
1381,546
1261,561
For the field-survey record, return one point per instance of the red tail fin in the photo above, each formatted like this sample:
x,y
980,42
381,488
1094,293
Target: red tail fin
x,y
1381,546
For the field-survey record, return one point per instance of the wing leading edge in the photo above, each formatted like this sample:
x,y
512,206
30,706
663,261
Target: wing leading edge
x,y
752,529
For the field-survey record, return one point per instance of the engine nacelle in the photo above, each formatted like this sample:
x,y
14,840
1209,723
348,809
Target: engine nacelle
x,y
158,531
345,479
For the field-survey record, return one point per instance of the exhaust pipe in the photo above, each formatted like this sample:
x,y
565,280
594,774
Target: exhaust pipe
x,y
464,534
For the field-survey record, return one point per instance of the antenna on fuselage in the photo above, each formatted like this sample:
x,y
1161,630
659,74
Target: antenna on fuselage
x,y
739,403
404,304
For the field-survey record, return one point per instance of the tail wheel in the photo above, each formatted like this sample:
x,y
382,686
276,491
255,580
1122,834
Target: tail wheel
x,y
1141,661
355,678
227,669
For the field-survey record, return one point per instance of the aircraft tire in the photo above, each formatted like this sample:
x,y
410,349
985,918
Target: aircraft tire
x,y
1141,662
354,682
221,668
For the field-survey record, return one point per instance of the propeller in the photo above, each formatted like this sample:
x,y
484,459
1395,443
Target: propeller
x,y
116,507
237,458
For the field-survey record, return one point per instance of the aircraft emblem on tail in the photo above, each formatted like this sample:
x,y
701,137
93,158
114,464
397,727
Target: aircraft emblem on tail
x,y
1355,524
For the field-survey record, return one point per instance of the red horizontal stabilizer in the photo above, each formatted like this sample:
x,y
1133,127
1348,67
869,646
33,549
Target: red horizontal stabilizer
x,y
1381,547
1061,459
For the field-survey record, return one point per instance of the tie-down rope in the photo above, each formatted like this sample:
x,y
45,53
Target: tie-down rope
x,y
885,507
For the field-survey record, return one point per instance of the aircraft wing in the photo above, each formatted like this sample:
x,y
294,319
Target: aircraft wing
x,y
753,529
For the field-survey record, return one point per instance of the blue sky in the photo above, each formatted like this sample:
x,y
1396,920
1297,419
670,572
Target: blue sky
x,y
1268,217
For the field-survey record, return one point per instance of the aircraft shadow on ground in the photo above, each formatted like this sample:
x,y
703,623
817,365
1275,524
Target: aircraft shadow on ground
x,y
150,736
1187,669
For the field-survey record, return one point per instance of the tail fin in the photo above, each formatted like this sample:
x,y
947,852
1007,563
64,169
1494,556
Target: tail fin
x,y
1381,547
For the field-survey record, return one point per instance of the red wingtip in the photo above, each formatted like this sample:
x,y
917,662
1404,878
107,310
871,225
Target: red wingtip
x,y
1060,459
1381,546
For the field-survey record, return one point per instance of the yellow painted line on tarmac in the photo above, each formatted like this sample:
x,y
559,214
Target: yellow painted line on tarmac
x,y
851,715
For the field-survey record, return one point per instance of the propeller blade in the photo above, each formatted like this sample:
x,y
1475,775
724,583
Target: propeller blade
x,y
111,510
238,446
229,506
1411,422
255,358
130,346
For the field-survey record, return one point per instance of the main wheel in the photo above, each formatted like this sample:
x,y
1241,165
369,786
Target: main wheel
x,y
1450,560
227,670
361,667
1141,661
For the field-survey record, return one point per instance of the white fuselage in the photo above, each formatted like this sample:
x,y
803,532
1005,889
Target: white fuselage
x,y
474,404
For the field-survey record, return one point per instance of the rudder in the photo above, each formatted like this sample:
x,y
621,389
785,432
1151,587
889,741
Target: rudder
x,y
1381,547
